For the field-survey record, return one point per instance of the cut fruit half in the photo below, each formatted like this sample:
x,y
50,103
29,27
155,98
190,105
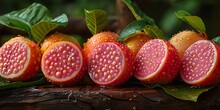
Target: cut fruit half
x,y
63,63
200,64
19,59
110,64
157,62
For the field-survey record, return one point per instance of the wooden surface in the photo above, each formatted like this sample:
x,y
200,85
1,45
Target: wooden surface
x,y
90,97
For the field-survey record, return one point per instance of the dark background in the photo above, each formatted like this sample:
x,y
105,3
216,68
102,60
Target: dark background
x,y
162,11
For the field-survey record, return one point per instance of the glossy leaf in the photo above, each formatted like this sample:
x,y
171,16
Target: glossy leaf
x,y
96,20
132,28
182,91
35,20
138,26
25,18
138,13
154,32
152,28
7,85
185,92
182,13
40,29
194,21
216,40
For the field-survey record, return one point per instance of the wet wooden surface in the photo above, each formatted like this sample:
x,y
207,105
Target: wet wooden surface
x,y
91,97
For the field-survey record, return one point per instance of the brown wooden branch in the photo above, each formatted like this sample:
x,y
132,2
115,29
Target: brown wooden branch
x,y
98,98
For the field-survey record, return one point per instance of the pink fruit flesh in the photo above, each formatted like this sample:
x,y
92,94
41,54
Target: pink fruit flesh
x,y
19,59
199,63
62,63
108,65
153,56
109,71
14,58
156,62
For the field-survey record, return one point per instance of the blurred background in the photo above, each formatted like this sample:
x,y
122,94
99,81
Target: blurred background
x,y
162,11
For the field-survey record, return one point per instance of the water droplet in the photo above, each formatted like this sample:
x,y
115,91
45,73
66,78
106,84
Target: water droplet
x,y
58,74
75,100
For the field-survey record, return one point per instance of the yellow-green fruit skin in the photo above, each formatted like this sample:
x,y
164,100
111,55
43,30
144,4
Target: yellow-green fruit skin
x,y
136,41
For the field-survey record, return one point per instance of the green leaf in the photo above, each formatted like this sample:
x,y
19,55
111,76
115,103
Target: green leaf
x,y
96,20
138,13
182,13
216,40
185,92
25,18
152,28
7,85
132,28
154,31
137,26
35,20
40,29
194,21
80,39
182,91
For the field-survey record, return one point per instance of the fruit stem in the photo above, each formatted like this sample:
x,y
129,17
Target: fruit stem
x,y
204,35
42,38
